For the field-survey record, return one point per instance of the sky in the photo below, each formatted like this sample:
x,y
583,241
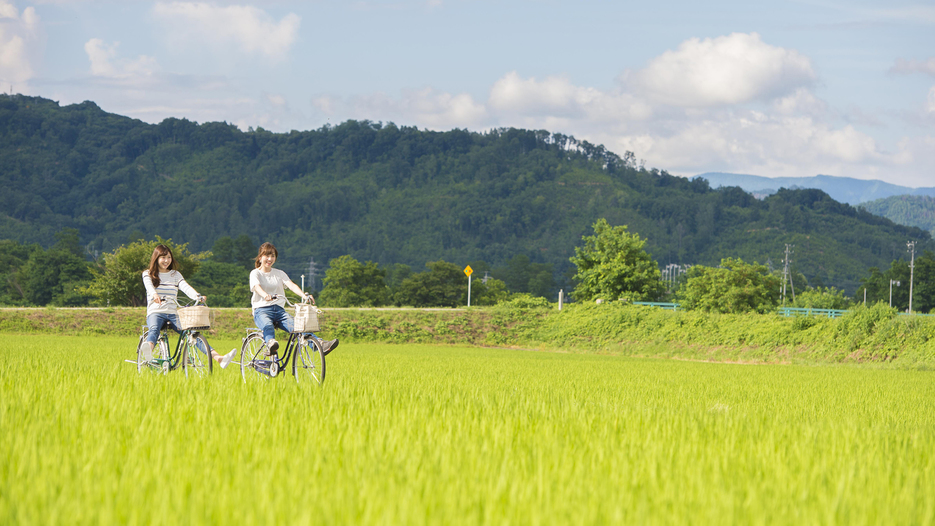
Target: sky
x,y
776,89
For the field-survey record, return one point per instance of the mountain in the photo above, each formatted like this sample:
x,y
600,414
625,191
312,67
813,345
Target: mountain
x,y
843,189
909,210
392,194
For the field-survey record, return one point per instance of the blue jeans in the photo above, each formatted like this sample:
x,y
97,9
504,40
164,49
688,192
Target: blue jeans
x,y
157,321
268,318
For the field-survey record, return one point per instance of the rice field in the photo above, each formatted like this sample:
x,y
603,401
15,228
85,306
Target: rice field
x,y
459,435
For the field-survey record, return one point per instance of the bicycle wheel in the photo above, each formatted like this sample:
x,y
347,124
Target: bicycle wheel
x,y
308,366
255,364
160,360
196,357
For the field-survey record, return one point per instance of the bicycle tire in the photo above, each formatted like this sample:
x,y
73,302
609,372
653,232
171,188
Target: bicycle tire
x,y
255,365
308,365
196,361
160,361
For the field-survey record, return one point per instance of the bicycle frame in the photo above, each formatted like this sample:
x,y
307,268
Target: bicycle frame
x,y
282,361
302,350
175,356
188,334
190,339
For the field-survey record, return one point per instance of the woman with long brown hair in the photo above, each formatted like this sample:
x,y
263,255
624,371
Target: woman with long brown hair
x,y
163,282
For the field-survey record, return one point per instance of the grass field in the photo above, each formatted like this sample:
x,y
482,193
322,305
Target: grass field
x,y
460,435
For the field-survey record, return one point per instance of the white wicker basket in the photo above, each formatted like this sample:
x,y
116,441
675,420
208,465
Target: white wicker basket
x,y
307,319
197,317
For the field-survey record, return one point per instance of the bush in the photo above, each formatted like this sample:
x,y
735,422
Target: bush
x,y
525,300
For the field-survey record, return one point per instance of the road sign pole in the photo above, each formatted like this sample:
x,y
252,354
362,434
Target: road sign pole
x,y
467,272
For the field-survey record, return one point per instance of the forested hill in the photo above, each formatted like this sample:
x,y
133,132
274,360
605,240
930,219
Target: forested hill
x,y
398,195
914,210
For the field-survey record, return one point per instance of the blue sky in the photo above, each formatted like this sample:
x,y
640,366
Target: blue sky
x,y
777,88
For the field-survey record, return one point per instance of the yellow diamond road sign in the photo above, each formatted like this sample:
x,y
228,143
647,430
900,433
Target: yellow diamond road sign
x,y
468,270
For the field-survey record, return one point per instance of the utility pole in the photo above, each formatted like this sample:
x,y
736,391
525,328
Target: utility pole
x,y
312,274
892,282
912,266
785,272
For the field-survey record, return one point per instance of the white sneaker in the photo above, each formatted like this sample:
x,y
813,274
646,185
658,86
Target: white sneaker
x,y
273,346
226,359
147,351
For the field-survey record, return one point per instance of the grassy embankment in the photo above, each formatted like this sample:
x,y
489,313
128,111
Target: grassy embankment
x,y
876,334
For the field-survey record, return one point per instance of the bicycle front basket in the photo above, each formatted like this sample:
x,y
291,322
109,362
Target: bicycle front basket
x,y
307,319
198,317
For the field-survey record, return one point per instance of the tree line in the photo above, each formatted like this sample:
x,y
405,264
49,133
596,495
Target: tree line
x,y
612,264
66,276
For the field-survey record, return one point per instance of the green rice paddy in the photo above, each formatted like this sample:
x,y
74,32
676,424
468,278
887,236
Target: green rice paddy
x,y
459,435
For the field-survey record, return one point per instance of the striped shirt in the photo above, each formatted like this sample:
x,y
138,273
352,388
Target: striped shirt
x,y
168,289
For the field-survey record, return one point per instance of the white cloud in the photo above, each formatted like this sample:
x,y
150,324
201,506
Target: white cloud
x,y
425,107
18,37
914,66
250,29
104,63
930,103
769,145
100,57
557,98
725,70
802,101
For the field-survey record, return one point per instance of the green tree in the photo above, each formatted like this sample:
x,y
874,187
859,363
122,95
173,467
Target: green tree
x,y
735,287
120,282
490,293
350,283
613,265
821,298
878,287
59,275
522,275
225,284
240,251
395,275
13,257
443,285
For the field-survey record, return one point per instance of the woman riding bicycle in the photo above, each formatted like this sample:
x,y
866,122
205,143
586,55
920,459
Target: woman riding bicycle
x,y
163,282
269,299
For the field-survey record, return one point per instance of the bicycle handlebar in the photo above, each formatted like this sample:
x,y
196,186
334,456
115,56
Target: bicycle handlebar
x,y
201,299
305,301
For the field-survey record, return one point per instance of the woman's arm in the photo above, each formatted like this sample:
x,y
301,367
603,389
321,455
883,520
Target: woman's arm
x,y
188,289
262,293
150,289
295,288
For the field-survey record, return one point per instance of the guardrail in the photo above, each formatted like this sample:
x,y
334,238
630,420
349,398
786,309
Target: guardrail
x,y
799,311
783,311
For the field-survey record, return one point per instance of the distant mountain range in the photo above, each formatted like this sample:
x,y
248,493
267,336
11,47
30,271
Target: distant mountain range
x,y
842,189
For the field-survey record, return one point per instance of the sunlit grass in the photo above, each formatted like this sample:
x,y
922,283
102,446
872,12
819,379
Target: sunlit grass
x,y
428,434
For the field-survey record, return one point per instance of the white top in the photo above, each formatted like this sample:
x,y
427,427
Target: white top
x,y
273,283
169,285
